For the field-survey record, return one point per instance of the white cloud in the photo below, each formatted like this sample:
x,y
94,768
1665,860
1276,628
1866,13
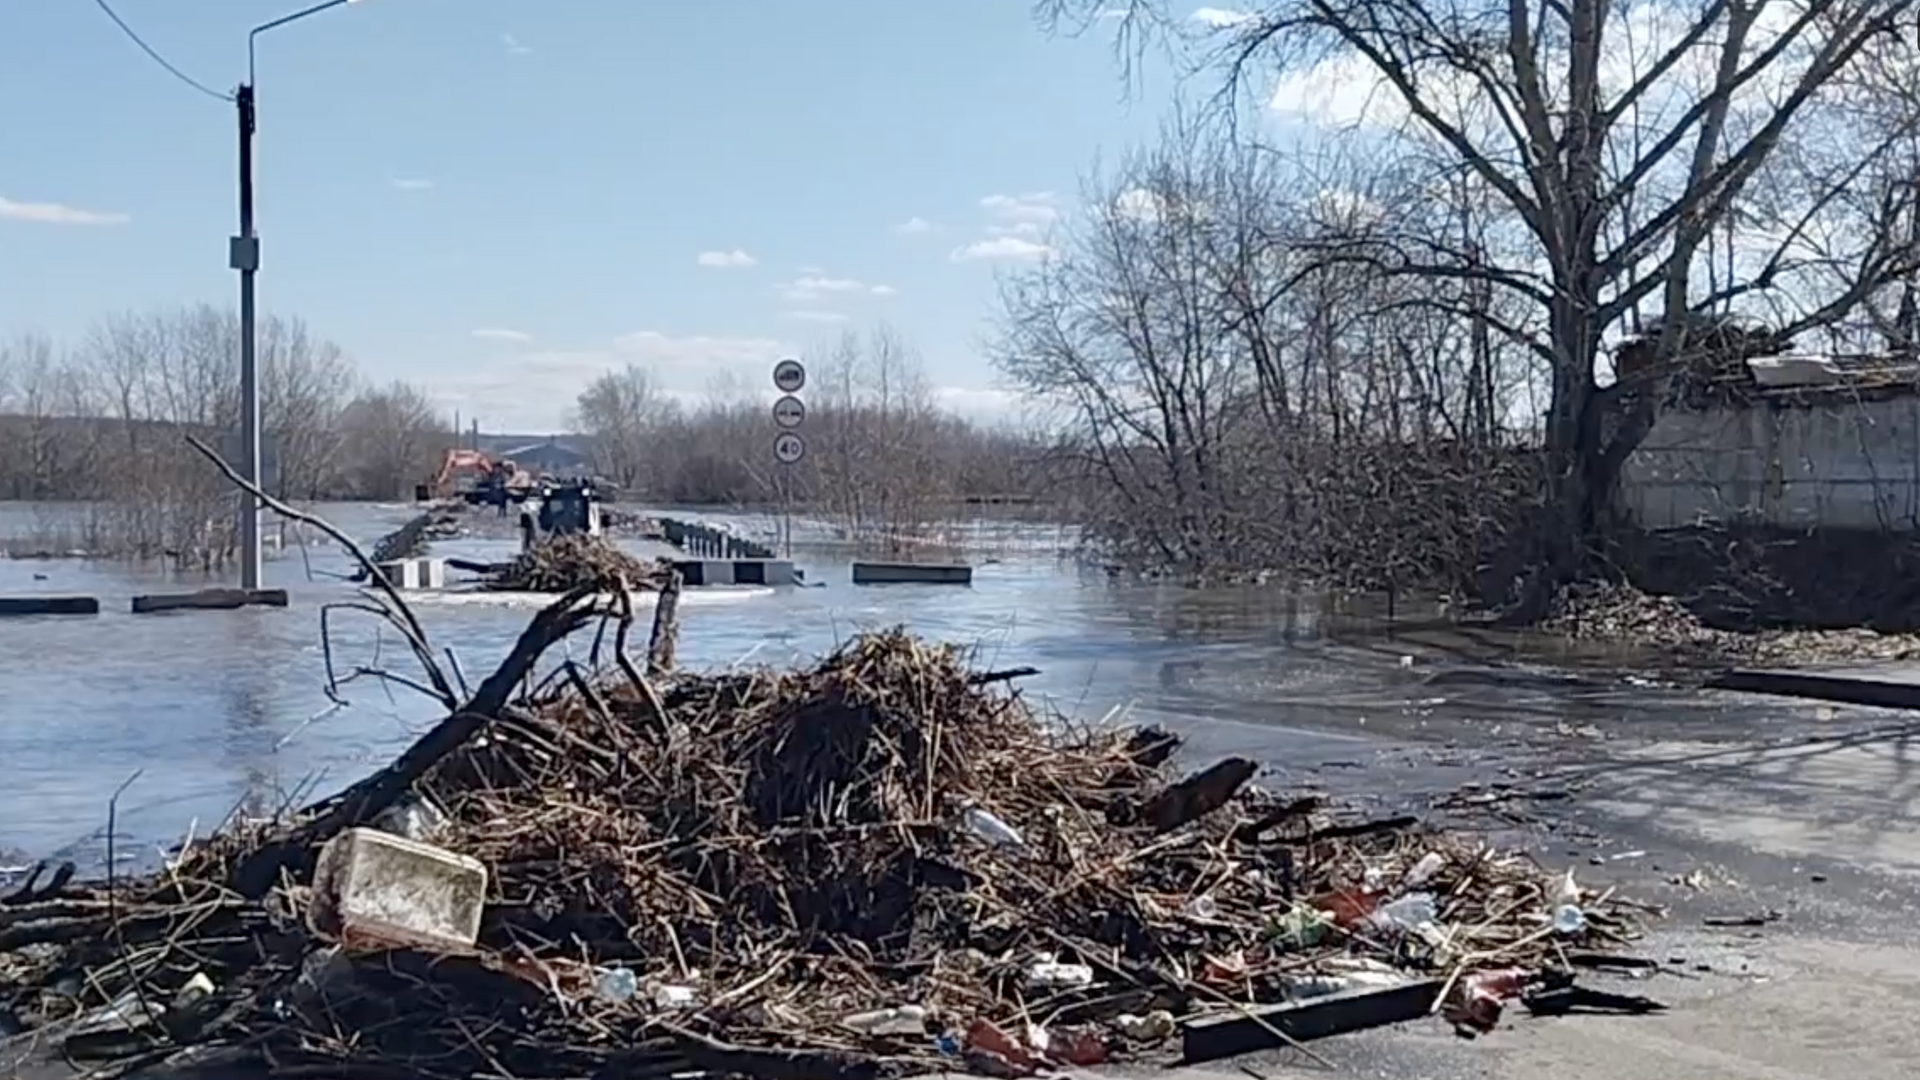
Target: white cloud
x,y
883,290
414,183
1220,18
818,316
500,333
915,226
514,48
1007,248
815,287
733,258
654,347
1014,227
1344,90
1038,208
46,213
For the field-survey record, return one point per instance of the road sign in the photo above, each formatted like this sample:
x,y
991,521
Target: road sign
x,y
789,376
789,413
789,448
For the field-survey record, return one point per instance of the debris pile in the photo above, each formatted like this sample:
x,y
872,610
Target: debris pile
x,y
884,864
559,564
1618,613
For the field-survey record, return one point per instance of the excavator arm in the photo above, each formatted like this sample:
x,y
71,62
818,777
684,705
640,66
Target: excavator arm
x,y
459,459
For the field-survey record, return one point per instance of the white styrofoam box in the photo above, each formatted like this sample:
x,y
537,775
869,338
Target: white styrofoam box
x,y
373,890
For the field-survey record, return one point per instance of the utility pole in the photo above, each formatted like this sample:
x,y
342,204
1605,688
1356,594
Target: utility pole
x,y
244,255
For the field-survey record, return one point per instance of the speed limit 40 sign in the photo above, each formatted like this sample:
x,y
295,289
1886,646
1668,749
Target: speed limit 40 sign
x,y
789,448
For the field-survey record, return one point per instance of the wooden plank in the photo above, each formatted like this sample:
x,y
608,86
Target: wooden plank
x,y
871,573
1223,1035
209,600
49,605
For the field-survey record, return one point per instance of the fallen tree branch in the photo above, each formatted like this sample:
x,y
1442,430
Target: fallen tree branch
x,y
408,623
363,801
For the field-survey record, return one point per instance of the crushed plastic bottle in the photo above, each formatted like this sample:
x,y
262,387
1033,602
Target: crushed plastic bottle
x,y
1410,912
615,984
413,817
902,1020
1049,975
1424,871
1569,919
991,829
673,996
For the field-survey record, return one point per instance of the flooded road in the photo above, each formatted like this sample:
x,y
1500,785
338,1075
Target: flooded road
x,y
214,710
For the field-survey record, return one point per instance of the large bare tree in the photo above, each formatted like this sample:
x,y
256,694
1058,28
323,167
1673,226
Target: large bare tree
x,y
1619,136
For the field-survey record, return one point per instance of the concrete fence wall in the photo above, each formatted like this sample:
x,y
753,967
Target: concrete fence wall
x,y
1835,464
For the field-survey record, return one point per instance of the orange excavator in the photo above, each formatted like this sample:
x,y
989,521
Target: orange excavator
x,y
477,478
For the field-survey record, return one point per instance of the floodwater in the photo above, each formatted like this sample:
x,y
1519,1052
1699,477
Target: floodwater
x,y
199,713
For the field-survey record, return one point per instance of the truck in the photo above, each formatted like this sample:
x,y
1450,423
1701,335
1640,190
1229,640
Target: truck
x,y
559,508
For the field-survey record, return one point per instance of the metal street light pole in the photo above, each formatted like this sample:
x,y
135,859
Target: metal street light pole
x,y
243,254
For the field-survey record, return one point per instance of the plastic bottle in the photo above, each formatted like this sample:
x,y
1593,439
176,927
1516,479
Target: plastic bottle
x,y
991,829
1048,975
1424,871
1409,912
903,1020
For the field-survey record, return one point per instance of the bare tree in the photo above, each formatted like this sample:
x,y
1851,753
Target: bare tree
x,y
624,413
395,437
1618,136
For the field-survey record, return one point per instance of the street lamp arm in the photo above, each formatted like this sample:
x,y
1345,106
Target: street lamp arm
x,y
323,5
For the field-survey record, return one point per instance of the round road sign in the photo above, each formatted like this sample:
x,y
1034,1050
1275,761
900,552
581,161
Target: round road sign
x,y
789,413
789,448
789,376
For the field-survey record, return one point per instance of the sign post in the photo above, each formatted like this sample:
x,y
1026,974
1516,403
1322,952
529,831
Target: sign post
x,y
789,446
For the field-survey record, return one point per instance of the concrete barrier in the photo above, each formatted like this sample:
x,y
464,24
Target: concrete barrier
x,y
736,572
209,600
49,605
707,542
1885,686
873,573
415,573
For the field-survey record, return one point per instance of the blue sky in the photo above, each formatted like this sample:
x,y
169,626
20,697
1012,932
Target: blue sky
x,y
499,198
